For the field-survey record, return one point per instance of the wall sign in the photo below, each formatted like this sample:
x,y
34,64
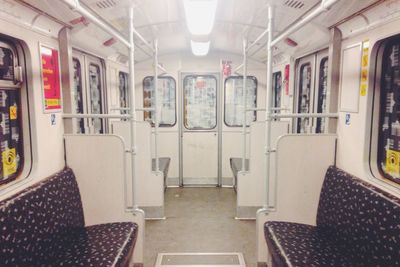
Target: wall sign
x,y
286,79
364,68
348,119
50,79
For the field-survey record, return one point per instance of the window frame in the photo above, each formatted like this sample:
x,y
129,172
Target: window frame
x,y
376,70
163,125
184,106
25,167
250,77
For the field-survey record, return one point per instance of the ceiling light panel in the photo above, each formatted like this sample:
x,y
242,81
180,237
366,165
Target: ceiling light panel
x,y
200,48
200,15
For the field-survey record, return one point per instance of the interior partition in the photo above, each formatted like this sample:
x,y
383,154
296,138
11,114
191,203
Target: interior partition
x,y
99,162
301,164
250,184
150,197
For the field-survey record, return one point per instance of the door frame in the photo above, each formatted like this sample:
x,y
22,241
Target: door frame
x,y
219,106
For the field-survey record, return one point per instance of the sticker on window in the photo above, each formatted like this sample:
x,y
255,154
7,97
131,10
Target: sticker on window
x,y
393,162
9,162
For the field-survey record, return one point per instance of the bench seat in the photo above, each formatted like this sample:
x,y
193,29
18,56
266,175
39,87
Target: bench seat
x,y
164,167
97,245
301,245
357,225
43,225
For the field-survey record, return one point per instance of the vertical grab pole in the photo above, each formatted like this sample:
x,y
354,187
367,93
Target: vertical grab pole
x,y
132,105
268,112
244,93
157,106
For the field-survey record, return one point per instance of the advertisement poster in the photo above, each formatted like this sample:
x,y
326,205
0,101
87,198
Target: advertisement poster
x,y
50,79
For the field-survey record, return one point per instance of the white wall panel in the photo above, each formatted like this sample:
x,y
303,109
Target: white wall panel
x,y
354,138
100,172
301,164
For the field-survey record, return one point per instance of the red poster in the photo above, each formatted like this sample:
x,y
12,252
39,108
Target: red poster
x,y
286,79
50,78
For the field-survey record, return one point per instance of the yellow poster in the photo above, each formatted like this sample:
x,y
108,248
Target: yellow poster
x,y
13,112
9,162
393,162
364,68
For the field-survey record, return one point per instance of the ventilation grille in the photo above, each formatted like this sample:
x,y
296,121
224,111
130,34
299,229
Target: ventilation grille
x,y
103,4
294,4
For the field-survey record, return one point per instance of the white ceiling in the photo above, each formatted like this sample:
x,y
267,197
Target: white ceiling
x,y
235,20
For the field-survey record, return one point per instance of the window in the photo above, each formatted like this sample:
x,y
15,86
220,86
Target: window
x,y
95,95
167,101
277,89
11,138
200,102
234,100
123,91
322,92
389,121
304,96
78,97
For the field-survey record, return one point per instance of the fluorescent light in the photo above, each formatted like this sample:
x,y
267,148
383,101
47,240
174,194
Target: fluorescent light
x,y
200,48
200,15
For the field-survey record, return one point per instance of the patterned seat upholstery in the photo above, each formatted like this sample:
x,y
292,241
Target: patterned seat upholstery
x,y
357,225
43,225
294,244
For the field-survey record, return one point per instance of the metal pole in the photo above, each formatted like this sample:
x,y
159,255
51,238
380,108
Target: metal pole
x,y
238,68
76,6
156,102
95,116
244,105
258,39
306,115
324,6
132,110
268,112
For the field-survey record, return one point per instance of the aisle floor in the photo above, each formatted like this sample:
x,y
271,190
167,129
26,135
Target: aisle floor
x,y
200,220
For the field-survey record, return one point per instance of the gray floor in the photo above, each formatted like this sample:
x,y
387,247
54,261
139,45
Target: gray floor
x,y
200,220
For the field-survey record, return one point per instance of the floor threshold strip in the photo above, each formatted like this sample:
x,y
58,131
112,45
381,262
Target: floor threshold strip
x,y
200,260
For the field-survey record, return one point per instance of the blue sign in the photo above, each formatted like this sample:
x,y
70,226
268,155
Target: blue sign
x,y
53,119
347,118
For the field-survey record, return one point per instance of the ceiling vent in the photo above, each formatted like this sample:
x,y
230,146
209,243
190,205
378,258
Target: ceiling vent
x,y
294,4
103,4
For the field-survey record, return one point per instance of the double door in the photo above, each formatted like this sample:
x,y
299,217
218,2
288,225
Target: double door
x,y
88,92
312,92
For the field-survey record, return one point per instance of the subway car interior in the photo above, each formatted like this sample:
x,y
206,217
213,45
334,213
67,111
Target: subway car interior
x,y
184,133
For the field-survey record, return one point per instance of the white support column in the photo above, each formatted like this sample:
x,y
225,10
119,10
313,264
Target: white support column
x,y
157,105
244,93
268,112
132,110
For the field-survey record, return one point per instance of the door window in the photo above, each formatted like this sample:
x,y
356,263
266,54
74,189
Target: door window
x,y
167,101
200,102
234,100
95,95
304,96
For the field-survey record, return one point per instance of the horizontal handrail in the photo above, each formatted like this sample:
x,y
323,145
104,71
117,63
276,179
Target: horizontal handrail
x,y
256,40
306,115
96,116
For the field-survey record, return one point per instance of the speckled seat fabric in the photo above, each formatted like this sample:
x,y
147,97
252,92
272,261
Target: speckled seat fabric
x,y
43,225
357,225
